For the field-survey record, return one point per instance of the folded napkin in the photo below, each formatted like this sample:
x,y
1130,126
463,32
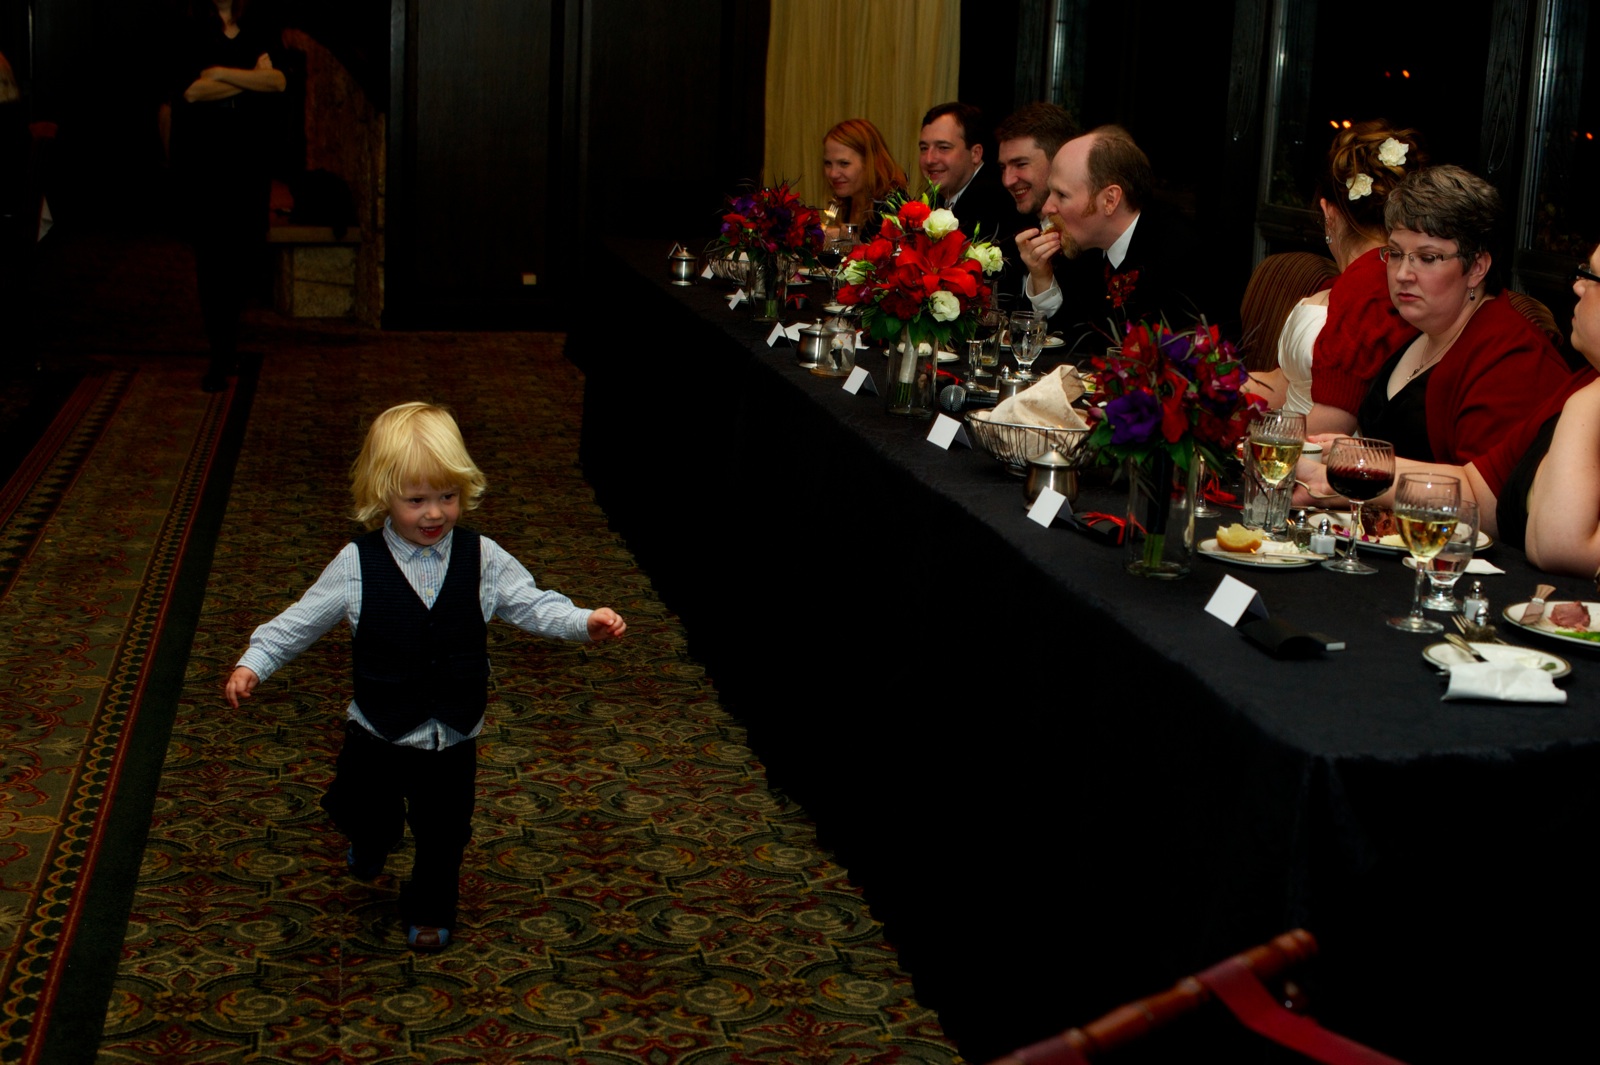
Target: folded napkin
x,y
1047,402
1509,682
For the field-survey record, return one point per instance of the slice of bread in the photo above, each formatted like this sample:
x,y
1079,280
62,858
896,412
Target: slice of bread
x,y
1238,538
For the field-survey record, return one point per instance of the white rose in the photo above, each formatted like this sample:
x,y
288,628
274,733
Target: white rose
x,y
940,224
857,271
945,306
1392,152
1359,186
988,257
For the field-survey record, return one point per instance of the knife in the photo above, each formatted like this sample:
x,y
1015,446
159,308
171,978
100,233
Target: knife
x,y
1535,608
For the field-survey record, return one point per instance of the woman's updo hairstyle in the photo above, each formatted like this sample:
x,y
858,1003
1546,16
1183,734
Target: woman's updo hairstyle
x,y
1366,162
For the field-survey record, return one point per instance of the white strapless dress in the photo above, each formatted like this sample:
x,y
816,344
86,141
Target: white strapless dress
x,y
1300,331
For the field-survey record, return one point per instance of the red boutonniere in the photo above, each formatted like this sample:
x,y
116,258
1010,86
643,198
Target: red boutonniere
x,y
1119,287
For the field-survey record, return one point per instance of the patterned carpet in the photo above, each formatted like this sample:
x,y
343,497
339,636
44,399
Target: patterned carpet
x,y
634,891
95,529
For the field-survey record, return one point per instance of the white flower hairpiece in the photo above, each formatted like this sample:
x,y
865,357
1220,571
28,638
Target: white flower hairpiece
x,y
1392,152
1359,186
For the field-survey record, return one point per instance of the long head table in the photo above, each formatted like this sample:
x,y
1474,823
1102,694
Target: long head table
x,y
1063,787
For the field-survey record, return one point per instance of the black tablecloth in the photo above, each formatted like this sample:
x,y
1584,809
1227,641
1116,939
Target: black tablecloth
x,y
1063,787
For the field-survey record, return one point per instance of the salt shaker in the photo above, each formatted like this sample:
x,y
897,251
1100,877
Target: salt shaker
x,y
1475,607
1322,542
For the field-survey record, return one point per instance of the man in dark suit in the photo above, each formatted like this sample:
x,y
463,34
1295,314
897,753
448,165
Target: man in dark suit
x,y
950,153
1127,259
1026,142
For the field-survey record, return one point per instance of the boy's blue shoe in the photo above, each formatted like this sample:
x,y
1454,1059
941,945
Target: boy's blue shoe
x,y
427,938
365,868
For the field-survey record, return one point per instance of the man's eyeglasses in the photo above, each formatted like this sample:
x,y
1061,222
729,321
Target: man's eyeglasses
x,y
1583,273
1424,259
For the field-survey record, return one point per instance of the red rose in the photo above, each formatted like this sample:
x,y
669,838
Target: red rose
x,y
913,213
878,252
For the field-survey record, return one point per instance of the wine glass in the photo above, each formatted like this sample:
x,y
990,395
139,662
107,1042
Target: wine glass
x,y
1203,507
1426,506
1276,437
1451,561
1359,468
1027,338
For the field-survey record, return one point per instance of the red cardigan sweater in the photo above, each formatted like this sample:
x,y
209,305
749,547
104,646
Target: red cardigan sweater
x,y
1499,370
1362,331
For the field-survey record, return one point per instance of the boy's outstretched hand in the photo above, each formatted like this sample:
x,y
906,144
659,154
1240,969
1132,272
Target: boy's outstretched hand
x,y
604,624
242,682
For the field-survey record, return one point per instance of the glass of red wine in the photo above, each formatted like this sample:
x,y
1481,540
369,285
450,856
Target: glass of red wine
x,y
1358,469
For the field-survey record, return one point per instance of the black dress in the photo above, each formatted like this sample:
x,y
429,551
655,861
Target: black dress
x,y
1401,419
221,151
1511,507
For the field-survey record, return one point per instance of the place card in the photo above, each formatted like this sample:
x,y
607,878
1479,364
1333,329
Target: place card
x,y
1049,506
945,430
708,273
781,332
1233,599
859,377
737,298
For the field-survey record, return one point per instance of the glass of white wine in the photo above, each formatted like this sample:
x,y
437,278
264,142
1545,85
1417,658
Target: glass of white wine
x,y
1427,507
1276,438
1451,561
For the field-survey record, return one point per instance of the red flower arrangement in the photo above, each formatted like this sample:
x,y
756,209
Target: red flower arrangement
x,y
772,221
1172,393
921,275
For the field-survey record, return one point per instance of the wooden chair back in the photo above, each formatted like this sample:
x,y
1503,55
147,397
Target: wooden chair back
x,y
1276,285
1537,313
1240,983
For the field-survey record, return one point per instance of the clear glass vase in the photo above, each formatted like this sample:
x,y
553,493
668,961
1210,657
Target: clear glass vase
x,y
913,370
767,282
1158,540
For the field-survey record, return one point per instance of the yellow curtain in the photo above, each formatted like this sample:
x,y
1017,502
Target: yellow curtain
x,y
887,61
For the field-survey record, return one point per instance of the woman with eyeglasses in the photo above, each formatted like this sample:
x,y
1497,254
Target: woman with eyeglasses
x,y
1478,366
1539,488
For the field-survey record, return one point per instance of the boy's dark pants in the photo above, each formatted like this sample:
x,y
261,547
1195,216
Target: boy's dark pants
x,y
378,787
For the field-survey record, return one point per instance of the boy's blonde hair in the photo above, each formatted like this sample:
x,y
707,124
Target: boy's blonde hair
x,y
414,443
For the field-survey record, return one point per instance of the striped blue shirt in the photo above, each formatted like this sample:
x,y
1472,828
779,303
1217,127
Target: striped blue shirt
x,y
505,589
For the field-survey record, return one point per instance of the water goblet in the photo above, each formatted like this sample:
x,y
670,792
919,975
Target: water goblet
x,y
1027,338
1426,507
1359,468
1451,561
1276,438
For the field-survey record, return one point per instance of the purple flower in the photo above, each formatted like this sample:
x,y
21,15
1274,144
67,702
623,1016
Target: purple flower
x,y
1180,351
1135,418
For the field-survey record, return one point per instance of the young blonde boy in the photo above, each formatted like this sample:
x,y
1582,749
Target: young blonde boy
x,y
418,593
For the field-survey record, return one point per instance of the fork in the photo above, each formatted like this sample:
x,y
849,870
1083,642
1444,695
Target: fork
x,y
1473,631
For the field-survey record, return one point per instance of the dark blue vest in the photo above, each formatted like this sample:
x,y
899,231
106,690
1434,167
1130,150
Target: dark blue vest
x,y
412,663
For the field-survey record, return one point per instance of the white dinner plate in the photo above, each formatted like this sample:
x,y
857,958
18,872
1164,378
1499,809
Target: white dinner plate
x,y
1445,655
1513,614
1389,545
1260,559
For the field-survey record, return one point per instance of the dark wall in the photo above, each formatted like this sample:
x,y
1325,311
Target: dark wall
x,y
522,131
